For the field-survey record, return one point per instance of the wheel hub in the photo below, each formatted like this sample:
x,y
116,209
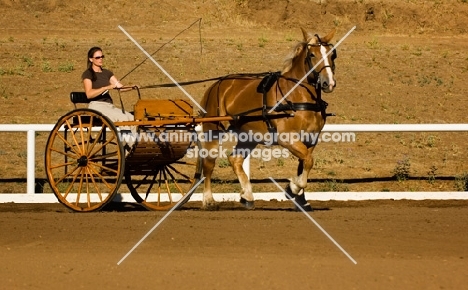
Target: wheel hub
x,y
83,161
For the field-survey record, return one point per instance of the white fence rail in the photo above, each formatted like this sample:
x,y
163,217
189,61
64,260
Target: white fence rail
x,y
31,130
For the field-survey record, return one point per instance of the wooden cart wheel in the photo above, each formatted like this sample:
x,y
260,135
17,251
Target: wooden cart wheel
x,y
84,163
160,186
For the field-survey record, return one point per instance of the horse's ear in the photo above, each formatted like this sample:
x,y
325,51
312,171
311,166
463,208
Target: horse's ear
x,y
307,35
298,50
329,36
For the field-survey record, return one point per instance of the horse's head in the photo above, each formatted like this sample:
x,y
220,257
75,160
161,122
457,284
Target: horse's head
x,y
318,56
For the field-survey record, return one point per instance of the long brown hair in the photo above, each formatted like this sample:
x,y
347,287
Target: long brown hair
x,y
89,64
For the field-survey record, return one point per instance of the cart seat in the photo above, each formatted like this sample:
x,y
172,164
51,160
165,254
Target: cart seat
x,y
81,98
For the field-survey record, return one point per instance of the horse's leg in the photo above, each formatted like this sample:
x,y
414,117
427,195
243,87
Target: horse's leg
x,y
301,175
241,151
208,164
306,161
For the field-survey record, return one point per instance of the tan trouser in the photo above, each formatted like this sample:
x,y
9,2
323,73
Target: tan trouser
x,y
115,114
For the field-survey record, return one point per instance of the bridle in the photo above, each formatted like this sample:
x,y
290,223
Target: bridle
x,y
309,56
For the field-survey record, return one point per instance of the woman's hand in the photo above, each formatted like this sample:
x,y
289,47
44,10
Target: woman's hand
x,y
115,83
118,85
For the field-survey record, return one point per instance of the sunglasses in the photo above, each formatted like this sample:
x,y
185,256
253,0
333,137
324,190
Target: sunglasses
x,y
99,57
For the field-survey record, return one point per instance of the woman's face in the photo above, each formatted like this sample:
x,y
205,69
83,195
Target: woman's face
x,y
97,58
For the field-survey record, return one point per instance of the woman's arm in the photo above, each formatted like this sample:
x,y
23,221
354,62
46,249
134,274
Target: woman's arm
x,y
92,93
118,85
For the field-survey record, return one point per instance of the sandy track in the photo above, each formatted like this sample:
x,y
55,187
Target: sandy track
x,y
397,245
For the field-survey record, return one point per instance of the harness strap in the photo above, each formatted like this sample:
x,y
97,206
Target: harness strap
x,y
317,107
265,86
289,106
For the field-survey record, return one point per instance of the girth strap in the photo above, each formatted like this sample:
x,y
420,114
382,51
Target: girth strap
x,y
320,106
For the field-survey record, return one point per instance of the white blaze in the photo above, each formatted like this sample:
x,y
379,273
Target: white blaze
x,y
328,69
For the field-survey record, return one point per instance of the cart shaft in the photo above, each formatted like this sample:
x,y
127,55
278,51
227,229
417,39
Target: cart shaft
x,y
174,121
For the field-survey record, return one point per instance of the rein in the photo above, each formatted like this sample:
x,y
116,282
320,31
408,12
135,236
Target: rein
x,y
226,77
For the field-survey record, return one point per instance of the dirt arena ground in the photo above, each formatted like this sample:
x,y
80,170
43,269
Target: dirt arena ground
x,y
396,244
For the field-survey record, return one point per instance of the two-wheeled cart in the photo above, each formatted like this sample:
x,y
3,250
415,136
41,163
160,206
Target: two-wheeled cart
x,y
86,162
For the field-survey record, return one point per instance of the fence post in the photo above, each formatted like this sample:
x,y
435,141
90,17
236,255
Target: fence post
x,y
31,162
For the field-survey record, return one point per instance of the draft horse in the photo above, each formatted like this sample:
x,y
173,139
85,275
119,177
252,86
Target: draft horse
x,y
249,98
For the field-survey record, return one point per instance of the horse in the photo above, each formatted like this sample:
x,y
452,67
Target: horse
x,y
253,101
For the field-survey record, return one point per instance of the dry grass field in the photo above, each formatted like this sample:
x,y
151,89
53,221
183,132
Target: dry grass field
x,y
405,63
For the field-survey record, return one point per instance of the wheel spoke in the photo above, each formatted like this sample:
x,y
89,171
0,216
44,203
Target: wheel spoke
x,y
175,181
100,148
96,139
77,144
98,191
69,188
62,165
69,155
66,175
159,186
104,167
68,143
104,156
102,178
80,128
141,183
80,186
150,186
88,195
159,195
169,194
180,173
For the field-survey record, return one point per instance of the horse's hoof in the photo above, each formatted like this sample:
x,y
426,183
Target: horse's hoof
x,y
210,207
302,202
247,204
290,194
305,207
